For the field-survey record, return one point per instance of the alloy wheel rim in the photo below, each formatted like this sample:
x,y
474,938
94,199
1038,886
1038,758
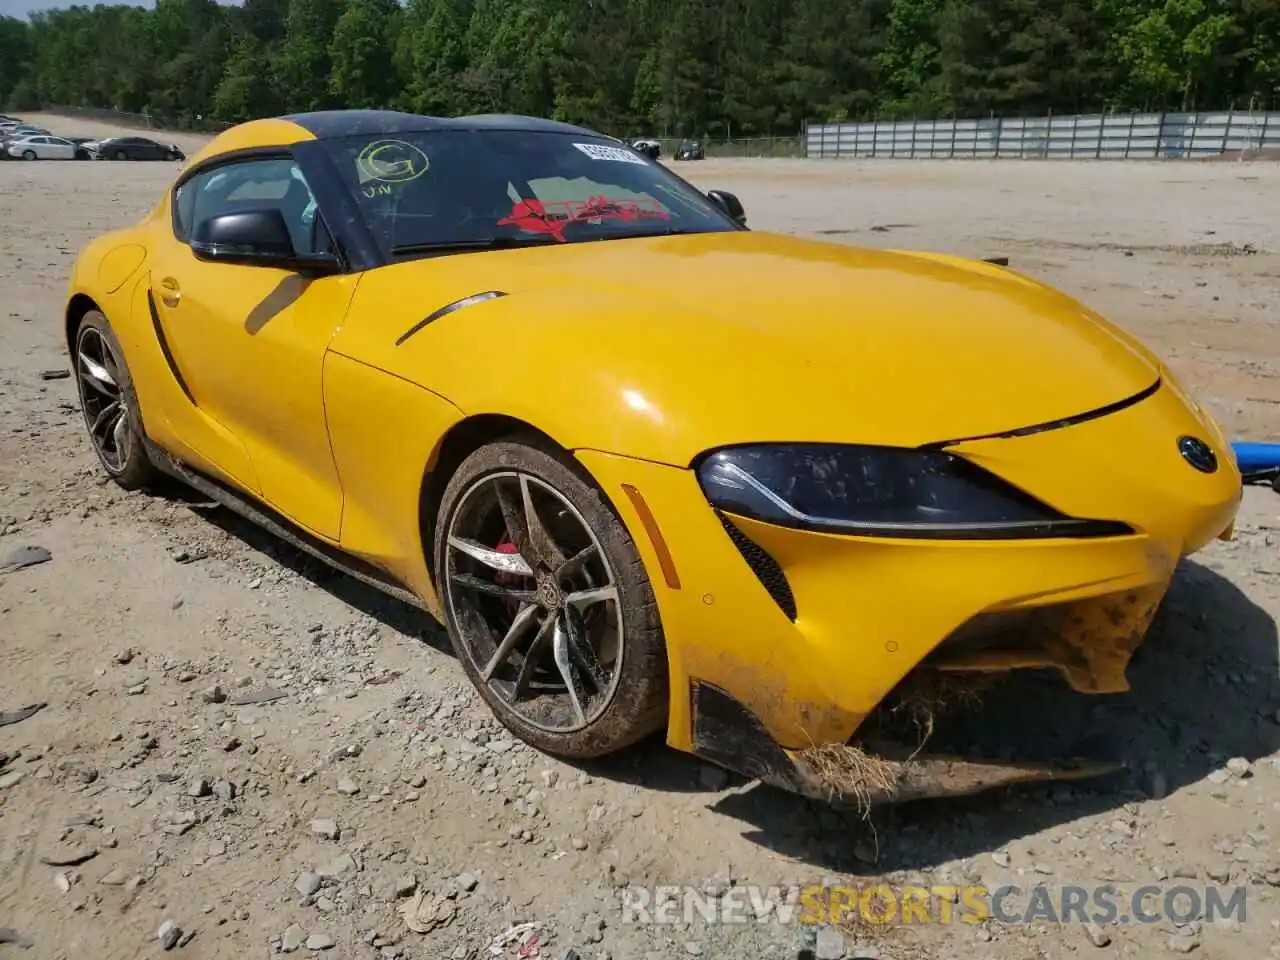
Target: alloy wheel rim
x,y
535,601
106,410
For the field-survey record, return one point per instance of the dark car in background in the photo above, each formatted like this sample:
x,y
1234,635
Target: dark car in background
x,y
133,148
691,150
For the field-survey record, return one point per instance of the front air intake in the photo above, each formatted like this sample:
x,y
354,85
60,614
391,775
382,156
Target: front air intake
x,y
764,567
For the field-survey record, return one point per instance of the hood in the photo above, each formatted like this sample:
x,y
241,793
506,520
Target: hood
x,y
664,347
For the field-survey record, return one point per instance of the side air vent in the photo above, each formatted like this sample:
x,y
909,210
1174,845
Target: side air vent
x,y
447,309
764,567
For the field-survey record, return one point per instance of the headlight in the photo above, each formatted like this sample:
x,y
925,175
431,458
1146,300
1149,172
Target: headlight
x,y
881,491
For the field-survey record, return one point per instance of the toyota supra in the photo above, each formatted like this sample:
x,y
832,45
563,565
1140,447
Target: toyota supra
x,y
653,470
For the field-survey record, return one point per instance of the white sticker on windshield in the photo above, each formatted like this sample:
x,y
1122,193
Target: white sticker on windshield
x,y
598,151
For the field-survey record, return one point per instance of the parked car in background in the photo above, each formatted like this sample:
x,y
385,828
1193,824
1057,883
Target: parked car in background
x,y
21,129
42,147
647,146
691,150
133,148
17,131
81,143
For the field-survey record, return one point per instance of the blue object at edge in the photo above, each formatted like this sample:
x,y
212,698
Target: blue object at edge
x,y
1257,456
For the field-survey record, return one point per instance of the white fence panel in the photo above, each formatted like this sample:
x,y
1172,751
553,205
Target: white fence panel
x,y
1136,136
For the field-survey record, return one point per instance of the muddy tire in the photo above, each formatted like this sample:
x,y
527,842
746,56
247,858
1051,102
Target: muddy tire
x,y
584,673
110,404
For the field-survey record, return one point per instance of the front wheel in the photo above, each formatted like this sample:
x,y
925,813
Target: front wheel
x,y
547,603
121,155
110,405
28,154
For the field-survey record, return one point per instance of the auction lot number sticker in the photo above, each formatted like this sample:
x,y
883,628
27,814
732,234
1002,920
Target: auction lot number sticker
x,y
598,151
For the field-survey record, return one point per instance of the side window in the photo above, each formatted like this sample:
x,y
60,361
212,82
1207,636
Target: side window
x,y
251,185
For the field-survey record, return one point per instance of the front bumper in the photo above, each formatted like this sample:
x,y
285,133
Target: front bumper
x,y
810,663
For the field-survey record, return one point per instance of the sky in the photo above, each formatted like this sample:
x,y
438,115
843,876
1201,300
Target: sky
x,y
20,8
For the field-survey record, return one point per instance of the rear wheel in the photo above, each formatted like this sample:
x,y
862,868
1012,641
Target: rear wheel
x,y
110,405
547,603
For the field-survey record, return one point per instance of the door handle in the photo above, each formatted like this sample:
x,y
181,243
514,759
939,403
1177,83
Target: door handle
x,y
169,292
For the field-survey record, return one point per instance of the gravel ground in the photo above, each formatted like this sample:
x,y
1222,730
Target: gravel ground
x,y
147,807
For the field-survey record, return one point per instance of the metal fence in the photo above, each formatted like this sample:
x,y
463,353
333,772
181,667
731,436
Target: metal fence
x,y
1128,136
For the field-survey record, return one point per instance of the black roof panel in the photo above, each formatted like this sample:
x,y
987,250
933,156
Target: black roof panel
x,y
324,124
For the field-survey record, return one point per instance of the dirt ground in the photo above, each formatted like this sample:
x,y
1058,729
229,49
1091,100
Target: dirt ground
x,y
144,794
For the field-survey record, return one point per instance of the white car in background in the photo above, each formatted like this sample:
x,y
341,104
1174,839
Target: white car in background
x,y
42,147
15,130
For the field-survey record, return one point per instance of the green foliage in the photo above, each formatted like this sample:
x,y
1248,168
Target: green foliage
x,y
16,56
658,67
361,51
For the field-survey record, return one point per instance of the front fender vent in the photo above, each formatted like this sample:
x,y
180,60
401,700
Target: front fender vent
x,y
447,309
764,567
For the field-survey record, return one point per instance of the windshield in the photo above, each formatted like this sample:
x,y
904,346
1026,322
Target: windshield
x,y
481,189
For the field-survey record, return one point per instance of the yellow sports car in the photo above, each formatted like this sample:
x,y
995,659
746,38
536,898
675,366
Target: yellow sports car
x,y
650,468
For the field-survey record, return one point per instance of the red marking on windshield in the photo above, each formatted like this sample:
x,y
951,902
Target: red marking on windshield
x,y
551,218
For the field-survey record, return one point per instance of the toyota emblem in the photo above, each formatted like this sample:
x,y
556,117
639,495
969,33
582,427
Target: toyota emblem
x,y
1198,453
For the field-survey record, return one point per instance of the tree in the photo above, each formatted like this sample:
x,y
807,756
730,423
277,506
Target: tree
x,y
16,55
248,88
431,52
304,63
362,50
675,67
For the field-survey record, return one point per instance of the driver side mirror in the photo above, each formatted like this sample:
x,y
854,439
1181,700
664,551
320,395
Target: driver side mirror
x,y
729,203
256,238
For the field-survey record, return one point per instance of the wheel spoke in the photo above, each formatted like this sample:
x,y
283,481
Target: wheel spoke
x,y
472,582
97,372
120,435
581,650
494,559
104,420
574,563
540,542
508,643
531,657
514,522
564,663
592,595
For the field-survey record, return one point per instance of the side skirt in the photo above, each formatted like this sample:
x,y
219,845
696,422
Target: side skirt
x,y
263,516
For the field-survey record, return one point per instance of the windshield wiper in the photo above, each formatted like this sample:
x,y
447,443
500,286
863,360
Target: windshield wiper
x,y
486,243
